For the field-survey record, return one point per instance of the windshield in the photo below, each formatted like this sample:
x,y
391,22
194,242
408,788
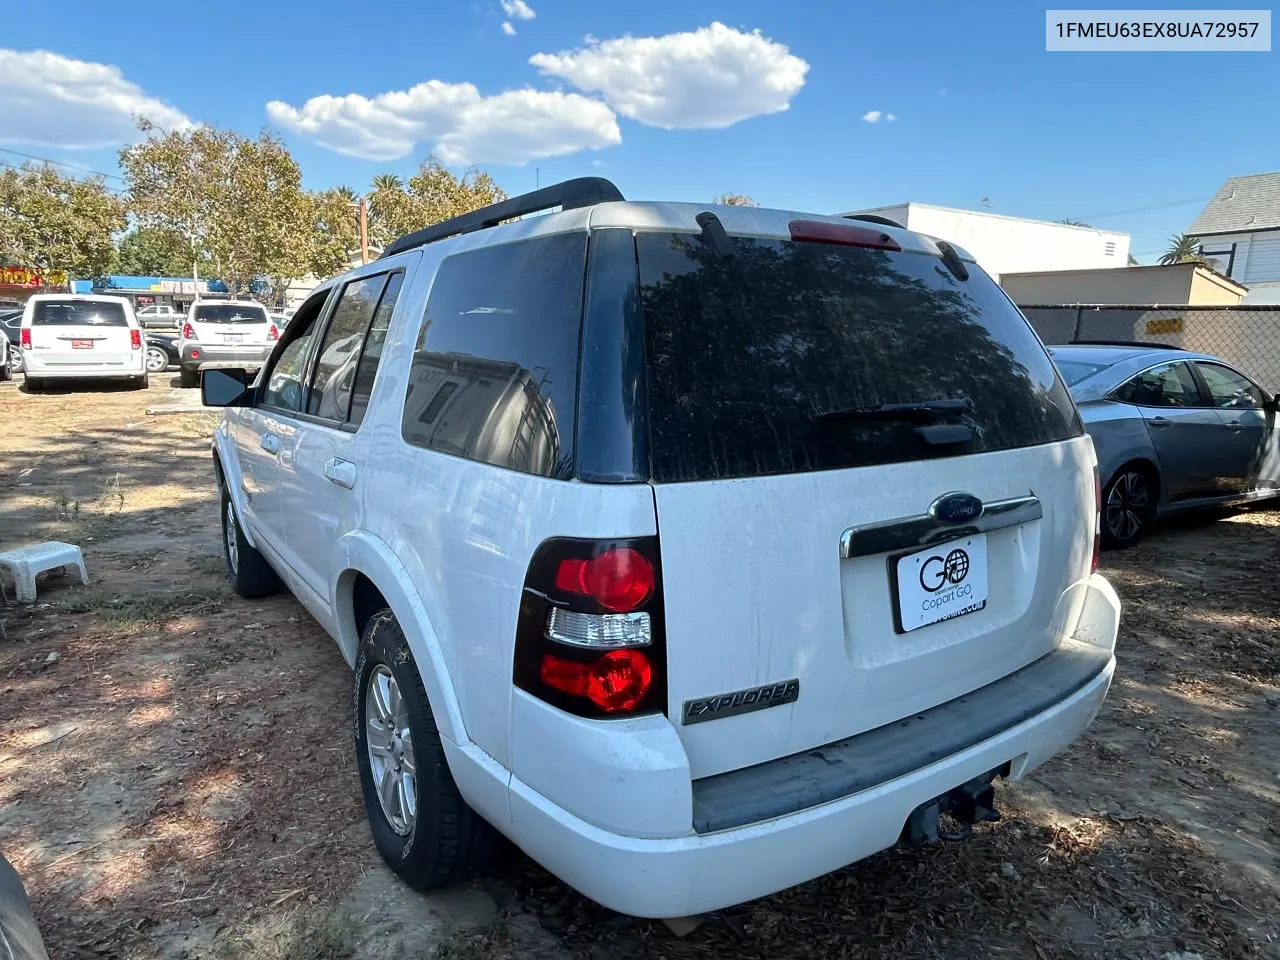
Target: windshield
x,y
1074,371
751,357
85,313
230,313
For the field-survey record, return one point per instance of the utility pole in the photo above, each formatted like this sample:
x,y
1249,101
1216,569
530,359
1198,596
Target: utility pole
x,y
364,230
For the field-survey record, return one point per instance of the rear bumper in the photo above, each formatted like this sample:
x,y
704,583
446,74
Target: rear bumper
x,y
694,872
34,365
216,354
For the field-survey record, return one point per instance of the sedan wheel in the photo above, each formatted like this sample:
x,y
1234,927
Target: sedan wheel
x,y
157,360
1126,508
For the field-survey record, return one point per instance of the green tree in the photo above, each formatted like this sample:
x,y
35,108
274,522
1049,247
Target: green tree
x,y
334,230
155,252
1182,249
239,201
735,200
56,222
431,195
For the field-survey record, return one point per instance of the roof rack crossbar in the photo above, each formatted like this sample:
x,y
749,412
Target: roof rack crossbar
x,y
581,192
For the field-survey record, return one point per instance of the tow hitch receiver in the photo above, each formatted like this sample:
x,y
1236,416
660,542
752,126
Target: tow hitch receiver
x,y
969,803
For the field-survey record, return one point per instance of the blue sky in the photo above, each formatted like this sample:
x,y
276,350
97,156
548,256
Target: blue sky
x,y
981,110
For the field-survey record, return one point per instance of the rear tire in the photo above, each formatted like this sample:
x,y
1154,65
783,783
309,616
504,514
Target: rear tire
x,y
189,378
6,367
35,384
248,572
140,383
444,841
1128,504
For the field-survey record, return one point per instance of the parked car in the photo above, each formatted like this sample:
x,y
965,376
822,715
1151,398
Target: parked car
x,y
162,351
160,315
19,935
1174,431
82,336
699,553
224,331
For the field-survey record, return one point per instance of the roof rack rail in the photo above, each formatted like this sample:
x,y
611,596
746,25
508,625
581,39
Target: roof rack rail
x,y
1122,343
875,218
581,192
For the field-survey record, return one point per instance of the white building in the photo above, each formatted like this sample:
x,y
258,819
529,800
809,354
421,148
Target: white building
x,y
1012,244
1239,232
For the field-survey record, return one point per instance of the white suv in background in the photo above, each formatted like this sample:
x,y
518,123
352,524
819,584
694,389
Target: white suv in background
x,y
66,336
222,332
700,551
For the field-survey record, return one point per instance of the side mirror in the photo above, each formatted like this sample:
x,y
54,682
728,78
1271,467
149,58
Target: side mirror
x,y
225,387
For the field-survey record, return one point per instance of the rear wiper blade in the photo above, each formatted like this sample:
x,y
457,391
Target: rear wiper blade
x,y
913,410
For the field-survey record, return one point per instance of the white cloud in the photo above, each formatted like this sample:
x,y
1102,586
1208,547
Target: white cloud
x,y
518,9
508,29
708,78
460,124
55,101
871,116
890,117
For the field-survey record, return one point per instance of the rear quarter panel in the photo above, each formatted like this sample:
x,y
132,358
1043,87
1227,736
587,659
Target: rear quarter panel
x,y
1119,436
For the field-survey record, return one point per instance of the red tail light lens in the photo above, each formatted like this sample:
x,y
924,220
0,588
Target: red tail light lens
x,y
135,339
1097,521
844,235
619,580
25,339
273,333
615,682
189,332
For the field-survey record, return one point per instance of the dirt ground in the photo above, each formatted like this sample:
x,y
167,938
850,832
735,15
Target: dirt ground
x,y
177,777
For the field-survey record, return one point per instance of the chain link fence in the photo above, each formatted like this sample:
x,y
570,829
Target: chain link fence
x,y
1247,337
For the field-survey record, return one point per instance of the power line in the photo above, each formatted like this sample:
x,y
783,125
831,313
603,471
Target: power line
x,y
1155,206
59,163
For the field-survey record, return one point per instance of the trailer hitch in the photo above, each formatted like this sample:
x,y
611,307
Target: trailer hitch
x,y
970,803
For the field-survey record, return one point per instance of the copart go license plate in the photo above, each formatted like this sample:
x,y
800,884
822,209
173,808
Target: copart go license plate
x,y
946,580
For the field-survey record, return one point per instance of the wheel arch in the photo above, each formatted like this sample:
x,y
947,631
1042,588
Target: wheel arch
x,y
371,578
226,471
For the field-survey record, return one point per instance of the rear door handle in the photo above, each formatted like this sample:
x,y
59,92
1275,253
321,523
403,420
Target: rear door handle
x,y
341,472
1235,426
270,443
1160,422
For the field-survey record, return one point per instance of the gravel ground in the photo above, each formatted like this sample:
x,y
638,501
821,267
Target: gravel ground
x,y
177,779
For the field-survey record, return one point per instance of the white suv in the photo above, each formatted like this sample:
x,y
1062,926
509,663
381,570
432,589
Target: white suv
x,y
81,336
698,551
222,332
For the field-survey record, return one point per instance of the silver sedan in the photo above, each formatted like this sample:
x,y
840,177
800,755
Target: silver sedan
x,y
1174,431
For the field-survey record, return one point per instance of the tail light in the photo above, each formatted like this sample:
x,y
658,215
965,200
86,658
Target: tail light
x,y
273,333
24,338
844,235
189,332
590,638
135,339
1097,521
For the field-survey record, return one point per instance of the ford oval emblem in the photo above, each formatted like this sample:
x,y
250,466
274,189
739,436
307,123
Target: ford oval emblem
x,y
956,508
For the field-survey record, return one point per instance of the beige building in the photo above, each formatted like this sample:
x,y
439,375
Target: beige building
x,y
1182,284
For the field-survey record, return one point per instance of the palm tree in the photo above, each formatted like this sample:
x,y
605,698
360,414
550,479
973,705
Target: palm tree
x,y
1183,249
387,181
1069,222
347,194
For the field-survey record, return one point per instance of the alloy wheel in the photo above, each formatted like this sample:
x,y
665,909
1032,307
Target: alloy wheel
x,y
1127,506
390,748
229,534
157,360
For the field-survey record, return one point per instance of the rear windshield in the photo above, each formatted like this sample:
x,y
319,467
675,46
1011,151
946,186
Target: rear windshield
x,y
1074,371
746,354
230,313
86,313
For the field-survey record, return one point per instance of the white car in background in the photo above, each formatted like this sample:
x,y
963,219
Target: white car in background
x,y
237,332
160,315
65,336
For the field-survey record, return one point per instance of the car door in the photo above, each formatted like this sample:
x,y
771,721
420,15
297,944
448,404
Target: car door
x,y
1249,446
323,453
1183,428
260,429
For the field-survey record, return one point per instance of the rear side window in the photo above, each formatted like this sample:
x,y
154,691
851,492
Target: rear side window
x,y
495,366
229,313
1168,385
88,313
746,354
330,395
372,354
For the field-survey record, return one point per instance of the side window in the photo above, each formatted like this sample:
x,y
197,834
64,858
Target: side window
x,y
1171,385
1228,388
330,395
284,379
495,366
372,355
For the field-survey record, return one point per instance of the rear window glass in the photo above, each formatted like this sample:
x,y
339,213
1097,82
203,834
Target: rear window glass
x,y
745,354
229,313
1074,371
495,366
87,313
